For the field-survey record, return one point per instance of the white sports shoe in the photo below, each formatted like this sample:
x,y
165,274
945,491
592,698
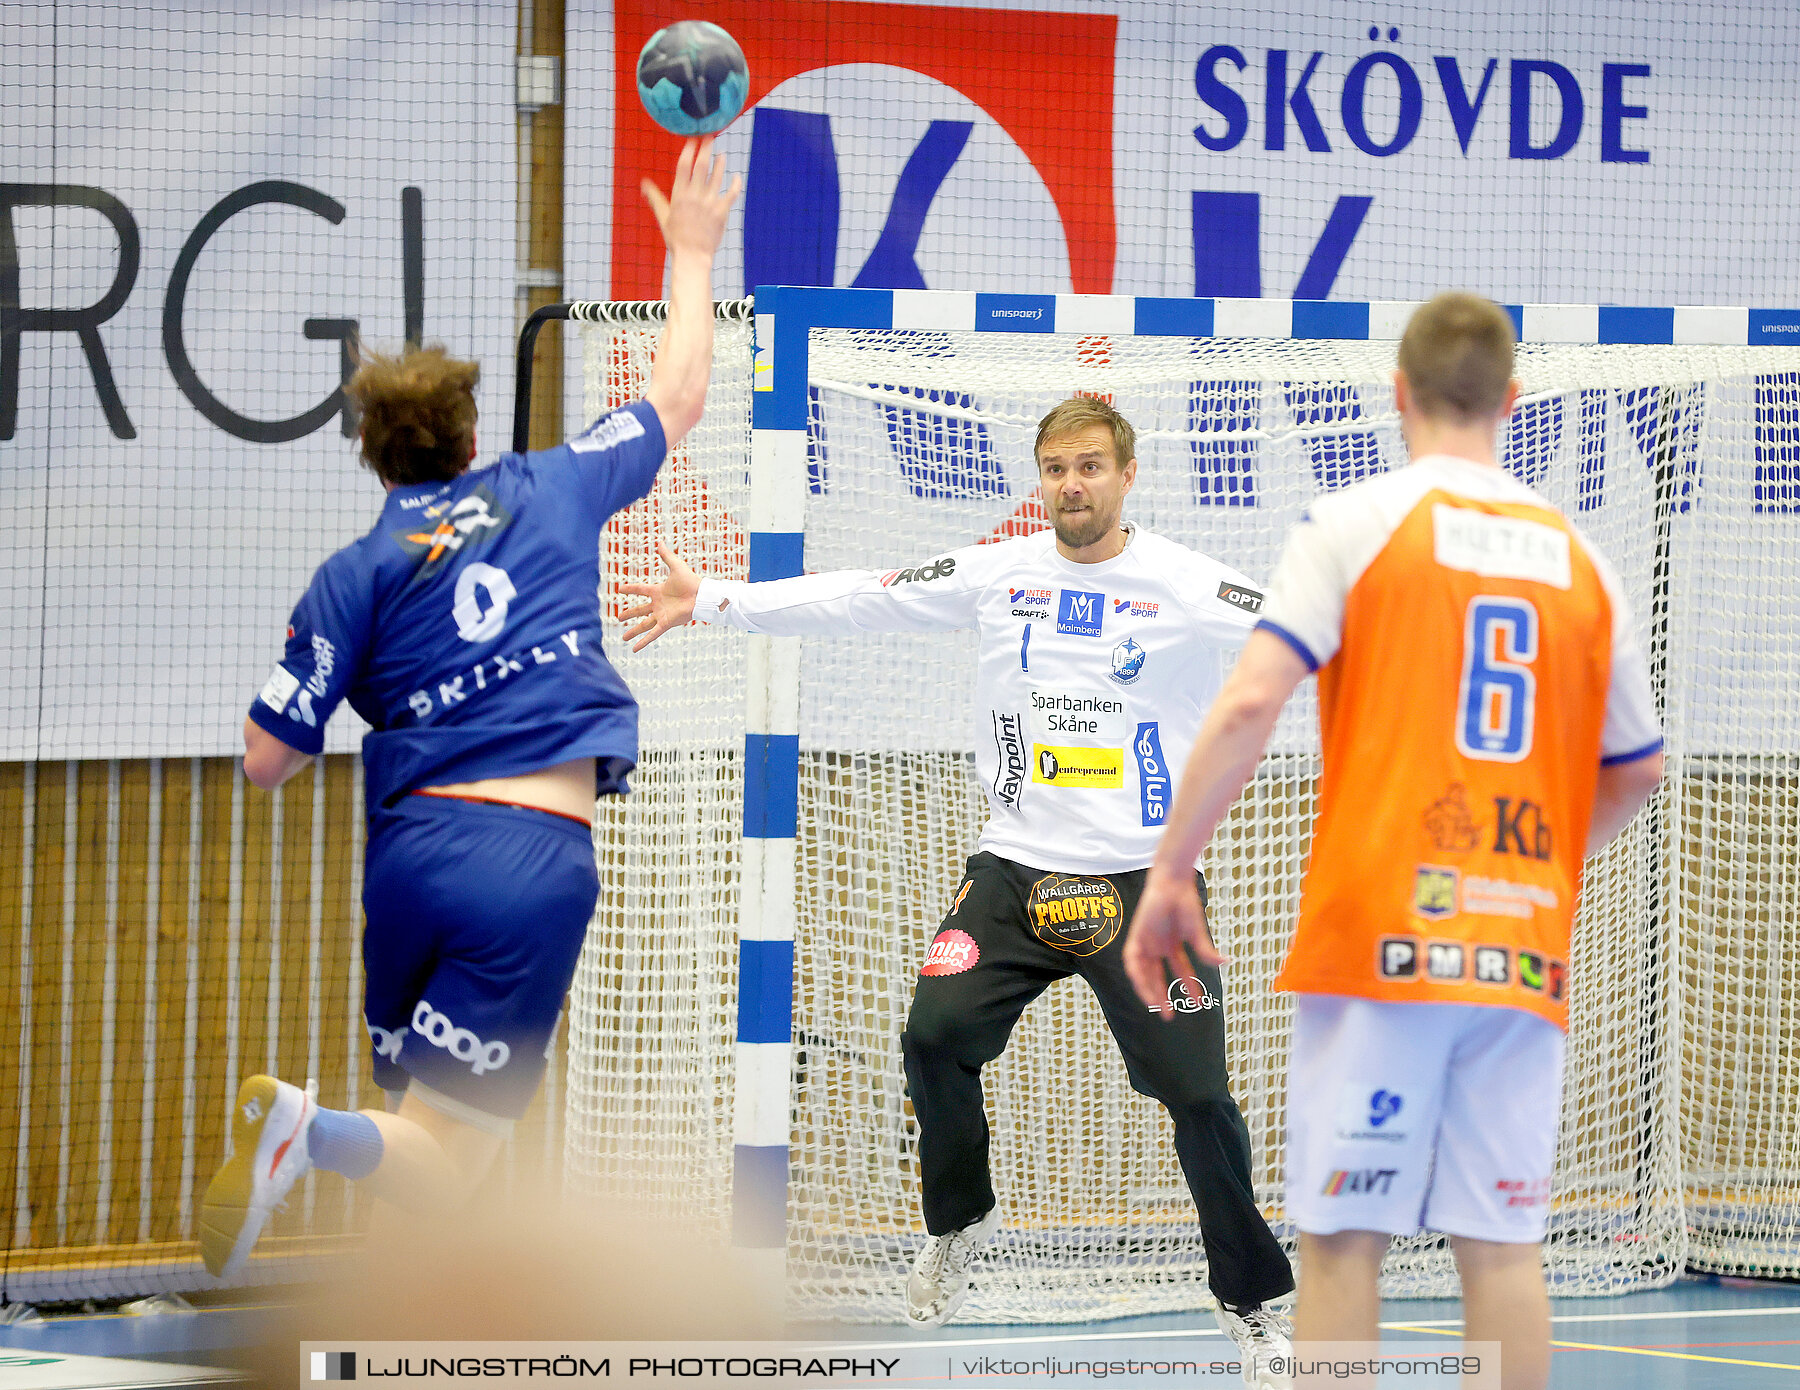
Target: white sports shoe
x,y
269,1124
940,1276
1263,1336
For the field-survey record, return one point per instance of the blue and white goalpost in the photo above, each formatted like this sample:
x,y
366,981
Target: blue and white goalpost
x,y
881,427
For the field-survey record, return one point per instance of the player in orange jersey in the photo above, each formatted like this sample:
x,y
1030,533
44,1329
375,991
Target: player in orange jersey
x,y
1487,721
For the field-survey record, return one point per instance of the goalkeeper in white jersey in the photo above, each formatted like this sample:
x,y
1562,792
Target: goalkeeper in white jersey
x,y
1101,646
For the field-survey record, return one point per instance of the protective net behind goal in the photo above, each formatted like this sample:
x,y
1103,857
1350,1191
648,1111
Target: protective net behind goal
x,y
1678,1131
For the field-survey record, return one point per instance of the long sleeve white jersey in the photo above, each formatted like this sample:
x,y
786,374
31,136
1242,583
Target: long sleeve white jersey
x,y
1092,680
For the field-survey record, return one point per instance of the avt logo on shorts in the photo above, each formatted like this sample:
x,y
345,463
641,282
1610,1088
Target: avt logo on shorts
x,y
1081,614
460,1043
1360,1182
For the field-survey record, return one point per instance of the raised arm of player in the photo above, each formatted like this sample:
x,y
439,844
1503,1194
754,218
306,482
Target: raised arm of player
x,y
692,219
939,595
1224,756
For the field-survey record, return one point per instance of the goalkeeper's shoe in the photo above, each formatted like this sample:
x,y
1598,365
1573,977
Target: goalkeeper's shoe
x,y
1265,1340
269,1125
940,1276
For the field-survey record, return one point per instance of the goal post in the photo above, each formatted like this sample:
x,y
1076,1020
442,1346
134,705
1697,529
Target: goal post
x,y
803,807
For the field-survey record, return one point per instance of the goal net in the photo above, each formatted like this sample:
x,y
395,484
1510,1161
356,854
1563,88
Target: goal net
x,y
1679,1120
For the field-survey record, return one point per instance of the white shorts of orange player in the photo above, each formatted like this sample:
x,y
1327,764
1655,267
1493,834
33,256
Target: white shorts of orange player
x,y
1407,1116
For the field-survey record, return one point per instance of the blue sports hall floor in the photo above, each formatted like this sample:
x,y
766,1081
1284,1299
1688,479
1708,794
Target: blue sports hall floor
x,y
1695,1333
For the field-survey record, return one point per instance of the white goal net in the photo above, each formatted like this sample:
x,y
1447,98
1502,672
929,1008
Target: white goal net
x,y
1679,1136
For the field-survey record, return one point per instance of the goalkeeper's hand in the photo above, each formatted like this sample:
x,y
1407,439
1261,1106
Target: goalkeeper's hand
x,y
671,603
1167,939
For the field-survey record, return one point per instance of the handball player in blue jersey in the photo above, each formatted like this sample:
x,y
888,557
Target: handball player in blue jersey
x,y
465,628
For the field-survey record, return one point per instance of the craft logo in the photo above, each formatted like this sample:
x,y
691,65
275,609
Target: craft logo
x,y
1434,892
1079,767
334,1365
1136,608
1080,915
1081,613
951,953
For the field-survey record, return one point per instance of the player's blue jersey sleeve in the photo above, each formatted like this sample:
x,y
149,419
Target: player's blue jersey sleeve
x,y
327,642
610,464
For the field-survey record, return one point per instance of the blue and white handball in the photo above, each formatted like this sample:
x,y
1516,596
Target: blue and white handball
x,y
692,78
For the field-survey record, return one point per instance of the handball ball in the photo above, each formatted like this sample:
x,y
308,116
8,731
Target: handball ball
x,y
692,78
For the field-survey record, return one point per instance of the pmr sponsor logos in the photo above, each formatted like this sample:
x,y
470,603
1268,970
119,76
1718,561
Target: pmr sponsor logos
x,y
1456,962
1061,766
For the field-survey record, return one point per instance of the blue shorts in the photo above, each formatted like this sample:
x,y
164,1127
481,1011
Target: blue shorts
x,y
476,915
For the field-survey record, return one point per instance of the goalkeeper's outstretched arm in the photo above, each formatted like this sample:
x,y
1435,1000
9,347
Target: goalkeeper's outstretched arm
x,y
938,597
692,219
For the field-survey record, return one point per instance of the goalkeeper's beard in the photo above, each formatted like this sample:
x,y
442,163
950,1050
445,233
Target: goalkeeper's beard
x,y
1082,530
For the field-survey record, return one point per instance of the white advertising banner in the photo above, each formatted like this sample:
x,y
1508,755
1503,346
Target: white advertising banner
x,y
202,206
1567,154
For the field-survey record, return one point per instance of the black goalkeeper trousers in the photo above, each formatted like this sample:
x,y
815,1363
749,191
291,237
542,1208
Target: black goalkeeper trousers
x,y
1012,931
